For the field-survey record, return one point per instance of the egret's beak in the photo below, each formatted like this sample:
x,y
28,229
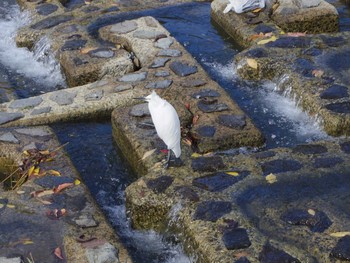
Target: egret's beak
x,y
140,98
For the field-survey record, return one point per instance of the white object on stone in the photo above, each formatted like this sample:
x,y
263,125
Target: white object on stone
x,y
240,6
105,253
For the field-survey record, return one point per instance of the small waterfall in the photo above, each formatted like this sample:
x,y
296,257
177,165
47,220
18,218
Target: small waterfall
x,y
40,65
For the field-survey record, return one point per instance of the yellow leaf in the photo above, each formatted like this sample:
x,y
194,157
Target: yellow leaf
x,y
26,153
10,206
54,172
252,63
31,170
87,50
257,10
265,41
20,192
1,206
46,152
27,242
340,234
196,155
77,182
282,33
36,171
232,173
271,178
148,153
311,212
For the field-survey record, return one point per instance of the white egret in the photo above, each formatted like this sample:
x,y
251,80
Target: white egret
x,y
166,122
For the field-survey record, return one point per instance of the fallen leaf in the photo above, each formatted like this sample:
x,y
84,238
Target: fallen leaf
x,y
1,206
296,34
195,119
187,106
271,178
93,243
45,152
317,73
240,254
41,193
54,172
87,50
26,153
311,212
187,141
77,182
31,170
195,155
36,171
233,173
45,202
27,242
10,206
256,36
340,234
275,6
252,63
165,151
20,192
148,154
58,253
56,213
257,10
61,187
142,183
265,41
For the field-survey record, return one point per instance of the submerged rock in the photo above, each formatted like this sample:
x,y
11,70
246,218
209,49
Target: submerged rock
x,y
182,69
342,249
327,162
188,193
310,149
74,44
236,239
51,22
6,117
232,121
46,9
212,210
270,254
159,185
206,131
207,164
335,92
24,103
280,166
341,107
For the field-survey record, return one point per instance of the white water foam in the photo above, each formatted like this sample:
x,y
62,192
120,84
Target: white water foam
x,y
38,65
145,242
266,101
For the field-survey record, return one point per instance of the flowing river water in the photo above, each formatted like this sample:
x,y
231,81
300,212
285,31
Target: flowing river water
x,y
90,147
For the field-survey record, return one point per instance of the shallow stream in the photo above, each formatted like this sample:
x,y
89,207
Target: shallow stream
x,y
90,144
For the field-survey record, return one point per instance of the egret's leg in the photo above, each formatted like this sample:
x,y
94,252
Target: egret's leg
x,y
168,159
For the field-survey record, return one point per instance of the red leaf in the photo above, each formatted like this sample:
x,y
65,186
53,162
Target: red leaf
x,y
61,187
165,151
187,105
58,253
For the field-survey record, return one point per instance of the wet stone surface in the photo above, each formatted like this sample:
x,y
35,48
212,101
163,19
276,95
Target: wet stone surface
x,y
134,77
219,181
205,93
211,106
46,9
140,110
7,117
169,53
93,96
342,249
345,147
212,210
164,43
341,107
63,97
290,42
182,69
24,103
161,84
187,193
101,53
51,181
124,27
236,239
280,166
207,164
316,221
51,22
159,185
327,162
206,131
310,149
159,62
271,254
8,137
74,44
38,111
335,92
163,73
232,121
265,154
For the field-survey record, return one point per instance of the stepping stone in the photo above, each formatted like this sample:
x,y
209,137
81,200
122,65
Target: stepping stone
x,y
94,96
160,184
342,249
46,9
310,149
327,162
63,97
39,111
290,42
101,53
41,132
151,22
134,77
318,222
280,166
187,193
161,84
140,110
124,27
6,117
271,254
212,210
182,69
51,22
208,106
147,34
163,73
159,62
25,103
79,61
75,44
206,131
205,93
169,53
123,87
236,239
335,92
164,43
232,121
85,220
334,42
102,253
207,164
8,137
190,83
262,28
341,107
257,53
345,147
219,181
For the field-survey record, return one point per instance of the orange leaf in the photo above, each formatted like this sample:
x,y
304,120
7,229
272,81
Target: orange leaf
x,y
195,119
296,34
317,73
62,187
58,253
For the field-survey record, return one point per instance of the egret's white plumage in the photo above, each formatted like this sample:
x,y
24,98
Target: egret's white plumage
x,y
166,122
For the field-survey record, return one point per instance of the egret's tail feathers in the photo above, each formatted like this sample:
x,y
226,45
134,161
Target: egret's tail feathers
x,y
177,150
